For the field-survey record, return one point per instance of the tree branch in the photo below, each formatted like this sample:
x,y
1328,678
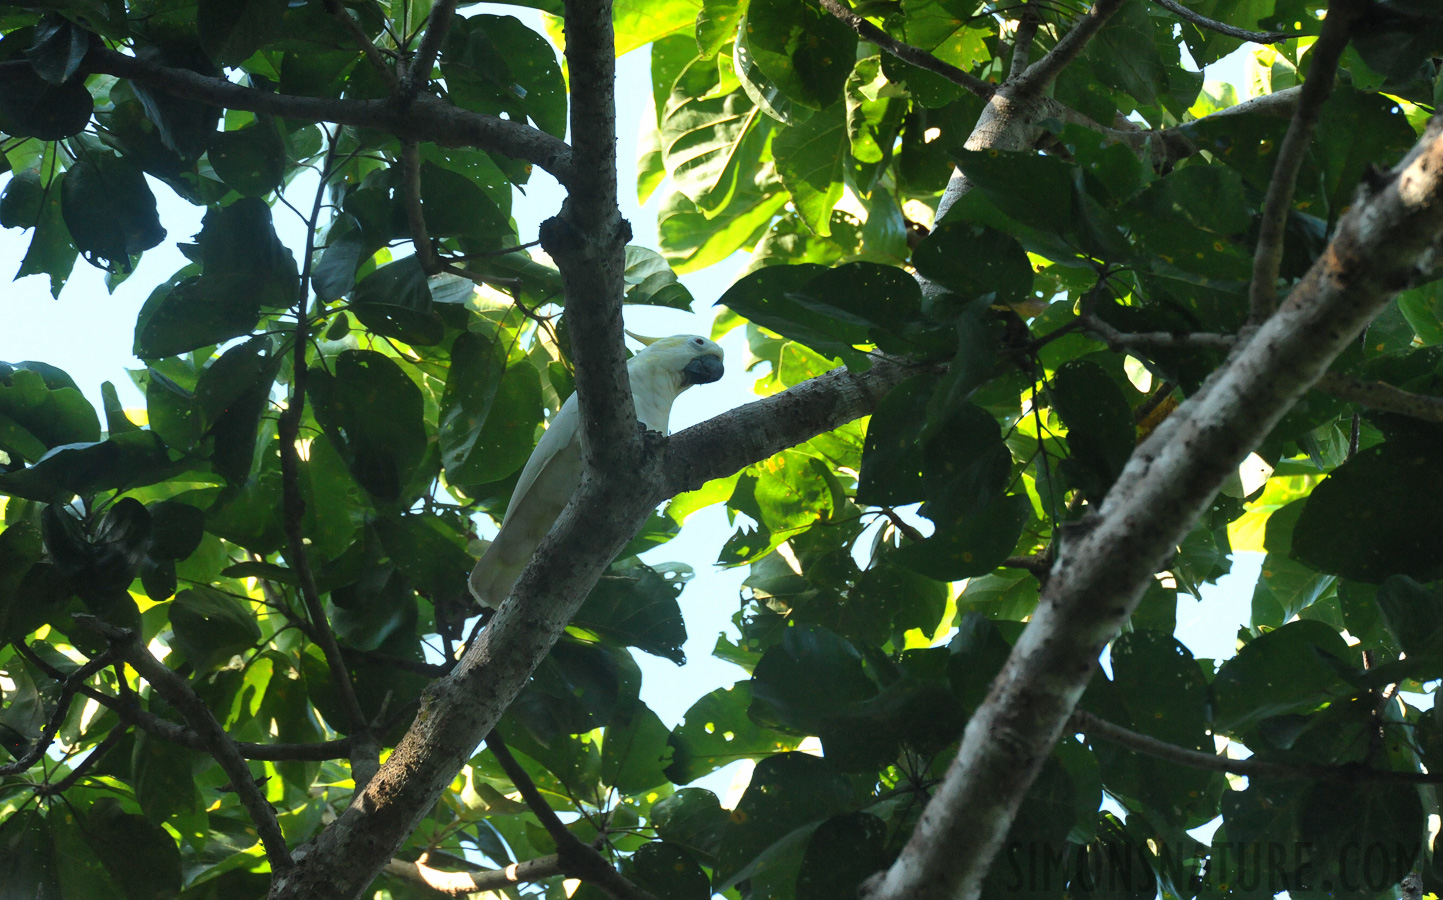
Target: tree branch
x,y
1105,564
96,754
1318,86
906,52
424,119
197,715
69,688
458,711
588,241
1095,727
457,884
1040,75
1022,43
577,859
363,40
363,747
1382,396
1202,21
1122,341
421,65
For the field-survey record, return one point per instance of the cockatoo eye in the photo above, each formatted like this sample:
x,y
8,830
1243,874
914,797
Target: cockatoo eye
x,y
697,341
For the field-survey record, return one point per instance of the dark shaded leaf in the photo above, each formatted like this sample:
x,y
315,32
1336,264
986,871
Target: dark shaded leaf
x,y
717,732
123,461
802,49
637,607
395,301
1293,669
789,795
251,160
211,627
371,412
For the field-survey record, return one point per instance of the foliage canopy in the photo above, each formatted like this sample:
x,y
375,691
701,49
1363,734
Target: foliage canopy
x,y
289,523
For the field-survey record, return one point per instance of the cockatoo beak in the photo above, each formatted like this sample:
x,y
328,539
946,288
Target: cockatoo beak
x,y
704,370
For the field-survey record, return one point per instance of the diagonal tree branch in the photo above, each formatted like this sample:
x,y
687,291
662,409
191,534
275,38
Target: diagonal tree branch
x,y
906,52
1095,727
1040,75
1106,561
424,119
363,40
1202,21
70,686
177,693
577,859
1268,256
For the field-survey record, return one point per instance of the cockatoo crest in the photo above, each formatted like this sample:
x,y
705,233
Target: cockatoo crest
x,y
663,369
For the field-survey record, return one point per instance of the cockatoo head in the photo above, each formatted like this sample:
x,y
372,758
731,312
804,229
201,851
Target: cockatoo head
x,y
691,357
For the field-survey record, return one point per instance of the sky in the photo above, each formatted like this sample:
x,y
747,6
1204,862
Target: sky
x,y
88,332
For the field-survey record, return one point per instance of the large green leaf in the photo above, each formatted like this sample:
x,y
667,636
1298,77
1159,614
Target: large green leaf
x,y
395,301
708,141
495,64
383,451
803,49
636,606
251,160
211,627
811,157
40,413
970,260
1293,669
1100,433
128,460
28,865
717,732
109,210
1386,492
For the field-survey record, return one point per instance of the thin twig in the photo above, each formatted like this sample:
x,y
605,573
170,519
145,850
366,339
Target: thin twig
x,y
1202,21
906,52
1317,87
911,533
363,763
411,200
70,687
1120,341
1093,726
97,753
1381,396
363,40
197,715
577,859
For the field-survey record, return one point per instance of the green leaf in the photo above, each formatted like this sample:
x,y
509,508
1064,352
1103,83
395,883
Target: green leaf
x,y
164,785
1100,432
1284,589
51,251
211,627
58,48
395,301
717,23
494,64
717,732
251,160
1386,492
20,549
28,865
231,396
383,452
474,377
801,48
142,858
434,560
842,853
809,677
788,792
811,157
972,260
122,461
637,607
109,210
709,141
891,473
1346,822
693,819
650,281
335,274
667,871
1291,670
30,106
231,30
635,751
504,430
82,875
41,415
974,546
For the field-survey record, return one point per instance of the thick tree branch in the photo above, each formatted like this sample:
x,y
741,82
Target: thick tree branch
x,y
1202,21
588,241
1095,727
1268,256
577,859
1105,562
458,711
1382,396
458,884
424,119
906,52
1022,43
197,715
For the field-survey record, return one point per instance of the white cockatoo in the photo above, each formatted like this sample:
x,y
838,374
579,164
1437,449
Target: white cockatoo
x,y
659,374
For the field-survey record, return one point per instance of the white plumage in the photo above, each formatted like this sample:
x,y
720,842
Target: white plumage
x,y
659,374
